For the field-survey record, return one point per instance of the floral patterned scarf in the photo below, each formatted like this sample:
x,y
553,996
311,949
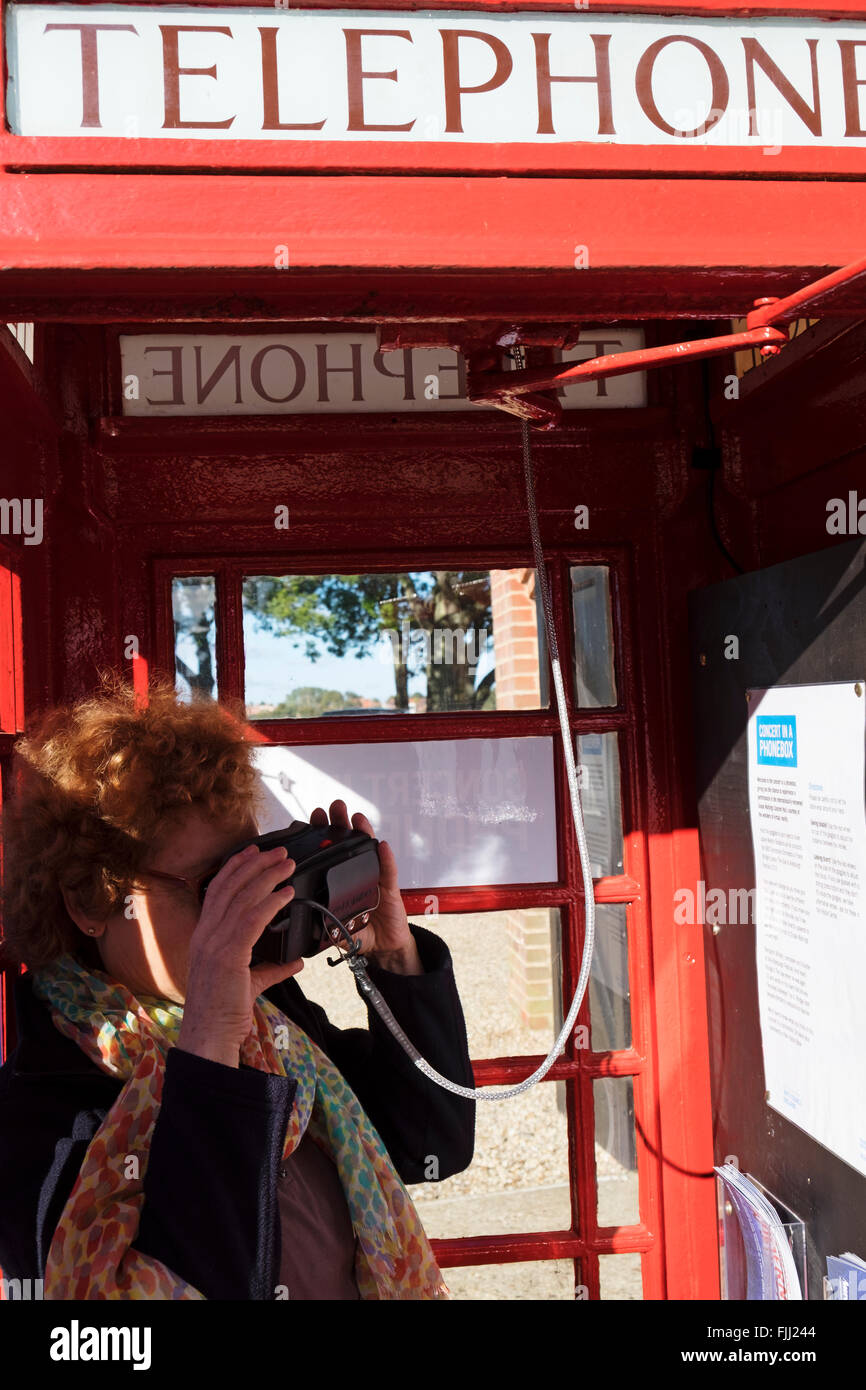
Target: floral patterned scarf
x,y
93,1255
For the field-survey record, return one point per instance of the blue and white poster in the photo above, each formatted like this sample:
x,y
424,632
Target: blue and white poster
x,y
807,750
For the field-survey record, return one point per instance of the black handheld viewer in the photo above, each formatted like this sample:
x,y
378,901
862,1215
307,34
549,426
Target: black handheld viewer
x,y
336,867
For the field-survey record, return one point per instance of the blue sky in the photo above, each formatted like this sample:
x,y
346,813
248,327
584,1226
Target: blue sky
x,y
276,665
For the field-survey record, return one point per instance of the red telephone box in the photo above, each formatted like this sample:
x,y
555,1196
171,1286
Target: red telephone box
x,y
177,232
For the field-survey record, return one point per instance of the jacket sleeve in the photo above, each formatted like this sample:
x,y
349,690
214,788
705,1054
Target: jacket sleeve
x,y
429,1132
210,1191
209,1211
210,1206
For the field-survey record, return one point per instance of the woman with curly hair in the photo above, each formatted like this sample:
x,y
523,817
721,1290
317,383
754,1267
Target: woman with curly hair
x,y
175,1121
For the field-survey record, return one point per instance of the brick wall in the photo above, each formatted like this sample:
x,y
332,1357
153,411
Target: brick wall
x,y
530,972
515,637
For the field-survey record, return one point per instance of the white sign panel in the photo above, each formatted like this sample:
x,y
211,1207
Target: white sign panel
x,y
280,374
806,799
203,72
457,813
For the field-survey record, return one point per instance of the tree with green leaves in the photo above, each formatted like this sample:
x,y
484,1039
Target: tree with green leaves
x,y
429,615
308,701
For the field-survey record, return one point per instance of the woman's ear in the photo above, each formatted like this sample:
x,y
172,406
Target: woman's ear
x,y
91,926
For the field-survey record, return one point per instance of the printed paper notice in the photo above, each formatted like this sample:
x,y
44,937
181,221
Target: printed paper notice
x,y
807,747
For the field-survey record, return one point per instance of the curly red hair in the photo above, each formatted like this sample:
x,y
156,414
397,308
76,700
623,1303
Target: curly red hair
x,y
95,783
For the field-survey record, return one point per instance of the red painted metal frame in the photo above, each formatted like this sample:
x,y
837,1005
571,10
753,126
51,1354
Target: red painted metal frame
x,y
576,158
11,717
587,1241
520,392
11,650
721,243
708,9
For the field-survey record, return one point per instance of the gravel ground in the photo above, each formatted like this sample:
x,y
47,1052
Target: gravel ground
x,y
518,1179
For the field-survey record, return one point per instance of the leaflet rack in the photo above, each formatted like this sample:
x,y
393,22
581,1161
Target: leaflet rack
x,y
732,1257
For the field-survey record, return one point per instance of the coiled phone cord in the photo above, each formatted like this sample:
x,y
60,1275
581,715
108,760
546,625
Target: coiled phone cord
x,y
357,962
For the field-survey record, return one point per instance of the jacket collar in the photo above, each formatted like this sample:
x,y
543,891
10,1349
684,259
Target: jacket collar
x,y
42,1049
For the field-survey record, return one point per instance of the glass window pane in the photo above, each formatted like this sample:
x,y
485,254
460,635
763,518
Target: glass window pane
x,y
600,800
508,967
508,970
456,812
619,1276
609,1007
595,679
518,1179
23,333
615,1151
422,642
536,1280
193,601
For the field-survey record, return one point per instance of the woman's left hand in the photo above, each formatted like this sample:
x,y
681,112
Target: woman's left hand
x,y
387,938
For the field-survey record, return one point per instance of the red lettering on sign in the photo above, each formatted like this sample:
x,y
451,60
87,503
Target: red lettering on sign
x,y
850,83
271,91
173,72
257,365
809,115
355,369
90,66
451,63
644,86
543,78
356,76
175,371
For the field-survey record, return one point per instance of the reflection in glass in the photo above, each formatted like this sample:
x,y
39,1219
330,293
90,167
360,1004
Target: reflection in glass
x,y
536,1280
595,680
609,1008
615,1151
193,602
461,812
598,756
619,1277
23,332
430,641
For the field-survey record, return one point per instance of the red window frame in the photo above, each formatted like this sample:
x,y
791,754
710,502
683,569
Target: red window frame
x,y
585,1241
11,723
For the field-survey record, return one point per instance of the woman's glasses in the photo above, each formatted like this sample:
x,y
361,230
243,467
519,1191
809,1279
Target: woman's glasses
x,y
189,885
192,885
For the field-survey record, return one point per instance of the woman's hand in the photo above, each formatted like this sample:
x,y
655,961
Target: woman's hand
x,y
387,940
222,986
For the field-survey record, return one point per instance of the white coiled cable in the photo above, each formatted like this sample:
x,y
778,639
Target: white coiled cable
x,y
357,963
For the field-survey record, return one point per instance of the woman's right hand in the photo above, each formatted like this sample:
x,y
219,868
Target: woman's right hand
x,y
222,986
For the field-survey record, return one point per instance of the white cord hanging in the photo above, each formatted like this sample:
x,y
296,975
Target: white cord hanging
x,y
357,963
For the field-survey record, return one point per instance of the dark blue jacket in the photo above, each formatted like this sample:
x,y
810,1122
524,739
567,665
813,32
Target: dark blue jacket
x,y
210,1205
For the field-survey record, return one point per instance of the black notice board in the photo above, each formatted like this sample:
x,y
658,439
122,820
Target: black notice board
x,y
799,623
